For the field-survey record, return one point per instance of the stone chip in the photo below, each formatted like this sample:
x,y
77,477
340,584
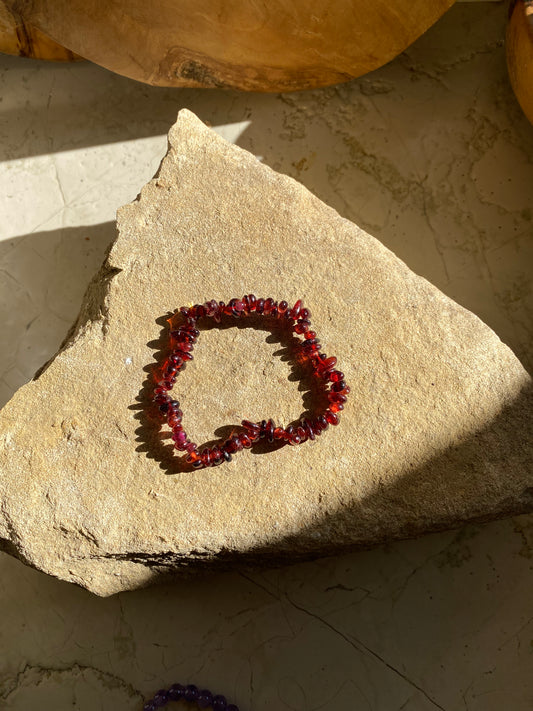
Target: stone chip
x,y
437,430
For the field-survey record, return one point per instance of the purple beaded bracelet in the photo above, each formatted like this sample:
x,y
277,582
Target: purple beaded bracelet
x,y
203,698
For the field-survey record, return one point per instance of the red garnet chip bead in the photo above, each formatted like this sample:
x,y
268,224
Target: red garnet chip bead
x,y
183,338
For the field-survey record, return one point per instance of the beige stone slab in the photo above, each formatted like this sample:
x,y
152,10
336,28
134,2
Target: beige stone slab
x,y
436,432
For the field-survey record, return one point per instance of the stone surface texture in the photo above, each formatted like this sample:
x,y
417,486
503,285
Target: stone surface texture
x,y
433,436
433,156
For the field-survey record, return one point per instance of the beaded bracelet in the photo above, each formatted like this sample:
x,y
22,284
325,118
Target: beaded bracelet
x,y
202,698
182,341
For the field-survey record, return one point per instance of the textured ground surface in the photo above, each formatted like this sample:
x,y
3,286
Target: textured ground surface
x,y
443,622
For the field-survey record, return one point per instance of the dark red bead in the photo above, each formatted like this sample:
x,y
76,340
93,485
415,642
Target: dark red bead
x,y
269,430
308,429
174,419
279,433
339,386
269,303
235,308
206,461
336,397
260,305
282,307
253,429
302,434
305,313
245,440
336,407
336,376
232,445
329,363
185,347
312,344
210,308
237,440
322,422
301,326
295,311
193,457
331,417
216,456
183,354
180,438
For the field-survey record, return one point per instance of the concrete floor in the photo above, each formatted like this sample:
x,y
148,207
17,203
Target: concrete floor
x,y
431,155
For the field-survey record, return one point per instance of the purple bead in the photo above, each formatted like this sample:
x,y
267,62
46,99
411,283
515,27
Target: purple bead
x,y
149,706
205,699
191,692
176,692
160,698
219,703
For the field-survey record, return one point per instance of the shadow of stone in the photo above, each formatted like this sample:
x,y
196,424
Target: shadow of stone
x,y
45,278
462,484
157,443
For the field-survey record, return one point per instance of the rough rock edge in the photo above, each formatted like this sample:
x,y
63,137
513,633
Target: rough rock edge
x,y
290,549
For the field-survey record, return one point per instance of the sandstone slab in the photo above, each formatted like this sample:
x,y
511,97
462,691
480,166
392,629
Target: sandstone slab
x,y
437,431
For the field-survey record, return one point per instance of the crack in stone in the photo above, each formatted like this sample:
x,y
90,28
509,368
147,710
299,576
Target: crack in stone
x,y
361,647
33,674
357,644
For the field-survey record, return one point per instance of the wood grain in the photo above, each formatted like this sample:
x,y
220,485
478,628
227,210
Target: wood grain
x,y
23,40
282,45
519,41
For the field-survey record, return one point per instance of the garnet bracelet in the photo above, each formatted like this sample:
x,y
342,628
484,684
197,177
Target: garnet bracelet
x,y
182,340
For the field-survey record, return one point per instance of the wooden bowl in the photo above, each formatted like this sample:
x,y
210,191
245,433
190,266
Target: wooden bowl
x,y
519,43
280,45
21,39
